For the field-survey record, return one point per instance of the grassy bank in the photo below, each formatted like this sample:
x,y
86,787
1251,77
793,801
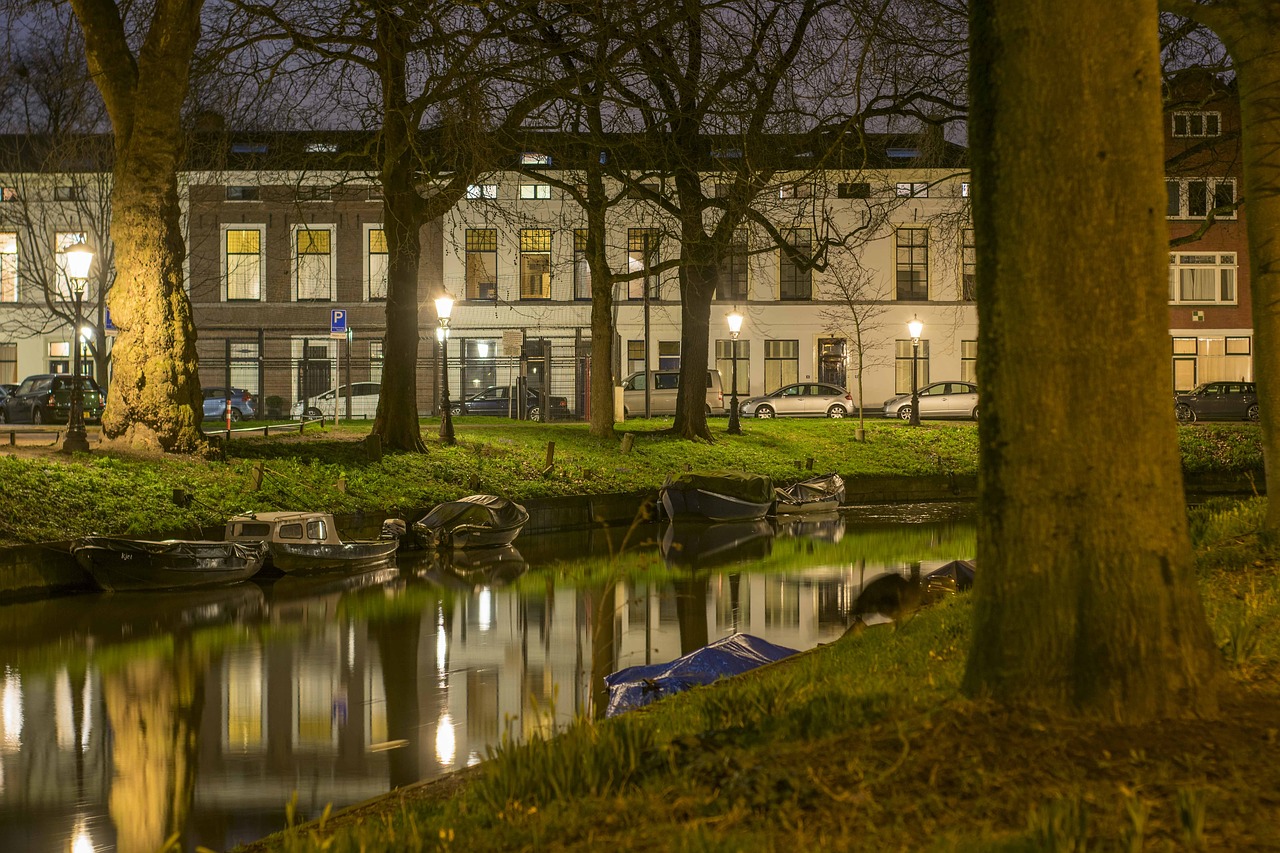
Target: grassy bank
x,y
866,744
46,496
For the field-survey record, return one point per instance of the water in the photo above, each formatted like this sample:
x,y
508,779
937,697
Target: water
x,y
125,718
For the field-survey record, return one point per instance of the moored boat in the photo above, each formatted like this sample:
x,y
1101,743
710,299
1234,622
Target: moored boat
x,y
823,493
308,542
716,496
476,521
119,564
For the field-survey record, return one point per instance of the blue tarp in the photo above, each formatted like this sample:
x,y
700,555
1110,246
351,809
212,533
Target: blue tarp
x,y
636,686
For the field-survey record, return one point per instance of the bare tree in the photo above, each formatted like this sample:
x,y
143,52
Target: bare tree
x,y
861,302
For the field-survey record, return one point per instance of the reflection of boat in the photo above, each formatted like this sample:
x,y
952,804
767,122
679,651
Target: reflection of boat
x,y
466,569
305,542
956,576
117,563
699,545
823,493
477,521
300,586
639,685
716,496
825,526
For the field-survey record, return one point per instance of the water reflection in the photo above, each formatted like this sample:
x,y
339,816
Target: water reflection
x,y
202,713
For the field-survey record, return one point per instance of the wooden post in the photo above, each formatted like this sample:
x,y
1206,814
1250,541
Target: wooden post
x,y
551,453
255,476
628,441
373,447
808,464
342,485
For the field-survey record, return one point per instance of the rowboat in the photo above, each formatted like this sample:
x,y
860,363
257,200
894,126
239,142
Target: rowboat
x,y
121,564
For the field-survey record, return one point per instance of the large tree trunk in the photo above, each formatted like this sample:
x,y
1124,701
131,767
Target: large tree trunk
x,y
602,332
697,286
155,391
1086,601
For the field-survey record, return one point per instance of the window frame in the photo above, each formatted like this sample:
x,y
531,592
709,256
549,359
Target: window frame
x,y
367,245
224,231
913,263
472,246
1223,262
1188,116
535,243
1211,187
636,251
800,280
296,258
10,266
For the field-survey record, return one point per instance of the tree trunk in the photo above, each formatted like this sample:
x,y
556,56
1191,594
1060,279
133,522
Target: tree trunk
x,y
155,392
1086,601
697,286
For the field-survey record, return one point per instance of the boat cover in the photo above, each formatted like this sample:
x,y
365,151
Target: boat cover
x,y
753,488
821,488
956,576
637,686
474,512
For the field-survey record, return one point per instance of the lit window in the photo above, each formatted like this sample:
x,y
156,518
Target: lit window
x,y
532,158
313,263
913,264
482,263
482,191
917,189
642,256
243,263
795,191
376,263
535,263
1202,278
8,266
581,268
535,191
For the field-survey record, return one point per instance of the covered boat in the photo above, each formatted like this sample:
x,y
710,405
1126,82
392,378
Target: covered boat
x,y
823,493
955,576
305,542
637,686
120,564
476,521
717,496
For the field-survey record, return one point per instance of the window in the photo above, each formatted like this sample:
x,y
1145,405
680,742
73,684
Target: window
x,y
832,361
313,262
860,189
376,263
248,148
535,191
917,189
781,364
535,263
63,240
1202,278
668,355
635,356
533,158
913,264
375,361
732,280
482,263
9,363
902,153
242,263
1191,198
795,191
969,361
68,193
59,361
722,189
964,189
488,191
794,281
968,266
8,267
321,148
902,363
1197,124
242,194
642,256
581,269
479,364
730,353
305,194
244,365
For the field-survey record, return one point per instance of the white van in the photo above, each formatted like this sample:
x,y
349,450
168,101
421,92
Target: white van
x,y
662,399
333,403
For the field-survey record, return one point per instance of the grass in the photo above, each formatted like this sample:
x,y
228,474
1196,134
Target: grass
x,y
117,492
867,744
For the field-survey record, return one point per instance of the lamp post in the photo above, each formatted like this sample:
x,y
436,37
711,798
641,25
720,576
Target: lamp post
x,y
735,327
444,307
914,328
78,258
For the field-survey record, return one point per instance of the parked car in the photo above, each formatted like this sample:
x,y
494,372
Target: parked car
x,y
46,399
1218,400
496,400
662,399
8,388
937,400
333,403
243,404
801,400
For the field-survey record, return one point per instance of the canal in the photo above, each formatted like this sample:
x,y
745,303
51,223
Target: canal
x,y
127,717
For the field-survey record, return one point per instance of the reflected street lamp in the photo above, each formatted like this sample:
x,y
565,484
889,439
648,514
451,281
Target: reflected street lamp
x,y
78,258
735,327
914,328
444,307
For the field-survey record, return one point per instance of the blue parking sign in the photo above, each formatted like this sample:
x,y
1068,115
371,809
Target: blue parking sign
x,y
338,323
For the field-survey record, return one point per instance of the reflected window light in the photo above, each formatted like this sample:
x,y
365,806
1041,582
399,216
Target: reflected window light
x,y
473,759
484,618
445,744
64,723
11,710
442,650
81,841
351,648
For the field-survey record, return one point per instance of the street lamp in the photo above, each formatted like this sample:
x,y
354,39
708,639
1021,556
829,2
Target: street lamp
x,y
444,307
735,327
914,328
78,258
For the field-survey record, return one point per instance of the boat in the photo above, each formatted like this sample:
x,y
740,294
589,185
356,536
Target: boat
x,y
716,496
476,521
823,493
308,542
120,564
955,576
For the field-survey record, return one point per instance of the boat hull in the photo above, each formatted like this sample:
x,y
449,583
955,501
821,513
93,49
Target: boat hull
x,y
703,505
315,558
128,565
824,493
478,521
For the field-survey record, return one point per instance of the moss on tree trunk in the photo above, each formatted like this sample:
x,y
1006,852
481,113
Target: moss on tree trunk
x,y
1086,599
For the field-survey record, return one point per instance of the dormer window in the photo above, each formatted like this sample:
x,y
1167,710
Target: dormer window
x,y
902,153
533,158
1197,124
482,191
916,189
321,148
248,148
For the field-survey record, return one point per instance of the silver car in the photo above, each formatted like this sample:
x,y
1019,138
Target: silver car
x,y
801,400
937,400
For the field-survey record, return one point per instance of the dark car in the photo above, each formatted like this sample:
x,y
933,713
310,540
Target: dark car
x,y
496,400
46,399
215,404
1237,401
